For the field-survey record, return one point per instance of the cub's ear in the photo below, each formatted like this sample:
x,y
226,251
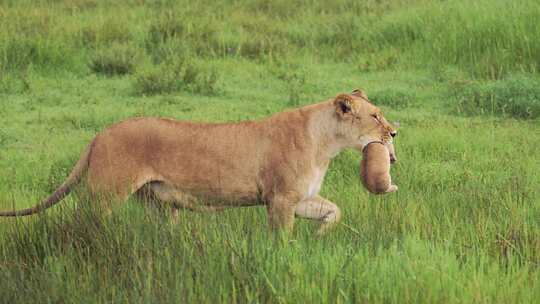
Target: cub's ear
x,y
343,104
359,93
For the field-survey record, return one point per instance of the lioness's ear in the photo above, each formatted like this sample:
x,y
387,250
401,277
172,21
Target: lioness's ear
x,y
343,105
359,93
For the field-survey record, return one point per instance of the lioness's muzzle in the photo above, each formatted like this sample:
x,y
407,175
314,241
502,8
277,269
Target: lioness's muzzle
x,y
393,158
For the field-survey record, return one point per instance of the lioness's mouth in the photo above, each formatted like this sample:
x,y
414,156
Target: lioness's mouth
x,y
393,158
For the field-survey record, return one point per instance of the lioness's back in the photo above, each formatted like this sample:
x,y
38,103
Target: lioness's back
x,y
193,155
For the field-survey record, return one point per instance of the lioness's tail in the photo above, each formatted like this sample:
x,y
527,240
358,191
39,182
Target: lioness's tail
x,y
62,191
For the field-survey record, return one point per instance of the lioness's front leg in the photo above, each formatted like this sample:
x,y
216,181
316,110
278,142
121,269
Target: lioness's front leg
x,y
320,209
281,210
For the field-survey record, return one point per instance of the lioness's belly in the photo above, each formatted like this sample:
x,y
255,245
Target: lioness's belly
x,y
193,198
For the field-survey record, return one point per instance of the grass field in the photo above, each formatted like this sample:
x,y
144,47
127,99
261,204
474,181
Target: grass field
x,y
462,79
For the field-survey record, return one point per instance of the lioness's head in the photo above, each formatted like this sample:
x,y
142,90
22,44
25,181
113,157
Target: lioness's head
x,y
360,122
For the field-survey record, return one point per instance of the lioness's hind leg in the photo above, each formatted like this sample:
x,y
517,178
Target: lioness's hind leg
x,y
97,204
319,209
107,194
153,203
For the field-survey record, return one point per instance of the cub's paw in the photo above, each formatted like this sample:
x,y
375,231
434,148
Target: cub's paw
x,y
392,188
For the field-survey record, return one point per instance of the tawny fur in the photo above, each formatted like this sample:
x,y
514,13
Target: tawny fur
x,y
375,167
279,162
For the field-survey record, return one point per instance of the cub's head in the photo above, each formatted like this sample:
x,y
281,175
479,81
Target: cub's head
x,y
360,122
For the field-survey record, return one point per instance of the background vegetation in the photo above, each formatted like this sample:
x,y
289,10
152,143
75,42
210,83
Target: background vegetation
x,y
461,77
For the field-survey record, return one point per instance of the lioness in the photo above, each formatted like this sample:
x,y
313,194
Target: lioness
x,y
279,162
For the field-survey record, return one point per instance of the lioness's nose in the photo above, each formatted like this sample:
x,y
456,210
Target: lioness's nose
x,y
393,133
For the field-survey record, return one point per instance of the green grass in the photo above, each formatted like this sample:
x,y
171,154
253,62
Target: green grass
x,y
462,80
516,96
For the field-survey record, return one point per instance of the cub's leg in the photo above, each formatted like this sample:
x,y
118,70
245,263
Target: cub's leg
x,y
319,209
392,188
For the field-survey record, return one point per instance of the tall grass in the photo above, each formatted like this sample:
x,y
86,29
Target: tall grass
x,y
136,257
517,96
487,39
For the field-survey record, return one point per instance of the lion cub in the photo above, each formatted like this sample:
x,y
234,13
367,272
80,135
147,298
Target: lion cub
x,y
375,167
